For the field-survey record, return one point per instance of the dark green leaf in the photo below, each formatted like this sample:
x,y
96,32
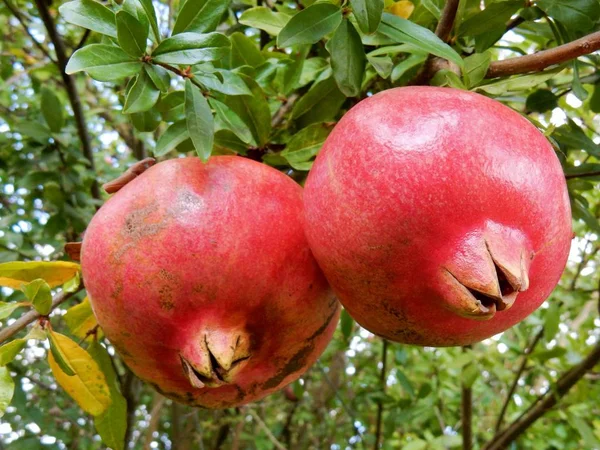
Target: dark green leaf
x,y
578,89
382,64
151,14
228,119
573,137
595,99
368,14
226,142
38,293
159,76
347,324
347,58
171,138
492,18
103,62
476,66
402,30
171,106
445,77
229,83
136,9
199,119
146,121
541,100
305,144
310,25
192,48
265,19
142,96
52,110
574,14
244,51
132,34
407,66
91,15
200,16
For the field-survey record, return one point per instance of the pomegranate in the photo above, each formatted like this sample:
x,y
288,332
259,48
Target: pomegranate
x,y
201,277
440,217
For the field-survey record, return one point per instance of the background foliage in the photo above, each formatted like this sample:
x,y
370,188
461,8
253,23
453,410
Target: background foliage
x,y
268,80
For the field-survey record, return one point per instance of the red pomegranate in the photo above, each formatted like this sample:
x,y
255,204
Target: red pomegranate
x,y
440,217
201,277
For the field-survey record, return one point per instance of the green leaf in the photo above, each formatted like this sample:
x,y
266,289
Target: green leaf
x,y
492,18
112,423
541,101
347,324
227,119
445,77
151,15
382,64
171,138
244,51
132,34
223,81
38,293
6,309
305,144
292,71
315,96
58,353
544,355
159,76
253,110
200,16
470,372
136,9
311,69
405,31
52,110
405,382
348,59
142,96
199,119
578,89
103,62
368,14
146,121
10,350
310,25
572,136
265,19
551,321
595,99
476,67
192,48
227,142
518,83
407,66
7,389
574,14
91,15
33,130
585,431
172,107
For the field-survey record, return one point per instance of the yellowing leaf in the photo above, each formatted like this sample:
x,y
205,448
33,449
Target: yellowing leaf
x,y
88,385
55,273
80,319
403,8
59,355
7,389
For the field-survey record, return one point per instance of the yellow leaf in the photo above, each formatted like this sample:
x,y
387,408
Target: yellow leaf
x,y
14,274
403,8
88,386
80,319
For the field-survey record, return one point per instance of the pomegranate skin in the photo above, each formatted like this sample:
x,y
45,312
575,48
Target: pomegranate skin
x,y
201,277
440,217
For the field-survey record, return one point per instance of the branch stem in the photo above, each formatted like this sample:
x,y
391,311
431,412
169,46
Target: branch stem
x,y
382,380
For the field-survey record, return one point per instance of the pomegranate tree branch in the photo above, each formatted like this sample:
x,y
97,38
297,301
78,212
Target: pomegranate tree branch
x,y
515,382
583,175
263,426
545,402
74,99
33,315
382,379
545,58
446,23
466,412
285,107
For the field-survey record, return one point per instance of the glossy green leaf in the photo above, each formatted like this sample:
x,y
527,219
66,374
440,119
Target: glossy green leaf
x,y
383,65
142,96
226,118
244,51
253,110
348,59
171,138
541,100
223,81
7,389
146,121
368,14
132,34
171,106
199,119
11,349
151,14
265,19
159,76
52,109
315,96
38,293
493,17
90,14
103,62
575,14
402,30
310,25
137,10
305,144
200,16
192,48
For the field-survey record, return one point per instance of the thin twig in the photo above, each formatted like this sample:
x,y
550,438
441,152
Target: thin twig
x,y
545,402
157,404
520,371
467,413
583,175
382,380
83,39
446,23
33,315
21,20
74,98
285,107
265,428
545,58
